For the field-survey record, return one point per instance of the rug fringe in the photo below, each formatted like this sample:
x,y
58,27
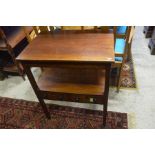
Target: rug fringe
x,y
131,121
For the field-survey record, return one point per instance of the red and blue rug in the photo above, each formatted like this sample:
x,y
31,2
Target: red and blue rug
x,y
21,114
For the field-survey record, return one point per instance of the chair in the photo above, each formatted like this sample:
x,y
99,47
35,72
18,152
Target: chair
x,y
87,28
63,29
43,29
122,48
10,38
37,30
121,29
77,29
72,27
66,29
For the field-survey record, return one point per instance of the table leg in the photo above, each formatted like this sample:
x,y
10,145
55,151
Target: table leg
x,y
36,90
105,104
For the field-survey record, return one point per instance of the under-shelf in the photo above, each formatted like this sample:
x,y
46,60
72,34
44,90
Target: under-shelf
x,y
72,80
11,68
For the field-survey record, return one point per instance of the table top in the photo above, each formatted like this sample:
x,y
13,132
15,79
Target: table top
x,y
90,47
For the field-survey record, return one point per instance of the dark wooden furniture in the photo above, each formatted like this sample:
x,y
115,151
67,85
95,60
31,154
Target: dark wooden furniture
x,y
152,43
76,67
10,37
148,30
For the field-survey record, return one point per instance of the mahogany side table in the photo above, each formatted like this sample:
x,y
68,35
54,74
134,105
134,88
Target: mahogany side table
x,y
76,67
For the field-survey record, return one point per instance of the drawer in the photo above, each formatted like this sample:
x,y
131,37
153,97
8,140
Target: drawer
x,y
74,97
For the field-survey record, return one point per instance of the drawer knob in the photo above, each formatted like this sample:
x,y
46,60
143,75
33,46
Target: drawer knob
x,y
92,100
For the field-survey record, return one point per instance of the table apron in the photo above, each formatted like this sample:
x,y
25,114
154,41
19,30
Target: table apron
x,y
71,97
67,64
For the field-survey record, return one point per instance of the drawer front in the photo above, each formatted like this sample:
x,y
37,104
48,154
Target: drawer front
x,y
74,97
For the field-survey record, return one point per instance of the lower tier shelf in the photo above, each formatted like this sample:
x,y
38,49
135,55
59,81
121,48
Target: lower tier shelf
x,y
72,80
11,68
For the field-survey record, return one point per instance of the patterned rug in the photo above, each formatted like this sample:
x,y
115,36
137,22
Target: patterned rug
x,y
128,79
25,114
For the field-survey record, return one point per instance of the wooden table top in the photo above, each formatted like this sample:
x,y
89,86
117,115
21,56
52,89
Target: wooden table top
x,y
90,47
